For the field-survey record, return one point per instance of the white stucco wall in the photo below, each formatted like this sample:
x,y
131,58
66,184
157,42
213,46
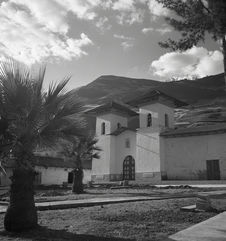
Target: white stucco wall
x,y
111,120
148,150
185,157
102,165
53,175
87,175
105,165
58,175
122,151
158,112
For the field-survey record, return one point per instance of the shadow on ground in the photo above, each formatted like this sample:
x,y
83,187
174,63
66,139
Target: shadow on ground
x,y
45,234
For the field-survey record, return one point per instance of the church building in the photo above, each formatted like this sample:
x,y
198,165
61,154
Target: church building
x,y
157,150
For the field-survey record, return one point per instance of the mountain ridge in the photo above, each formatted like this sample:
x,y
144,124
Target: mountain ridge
x,y
108,87
202,95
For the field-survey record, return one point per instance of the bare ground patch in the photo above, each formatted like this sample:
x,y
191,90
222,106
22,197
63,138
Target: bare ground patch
x,y
140,221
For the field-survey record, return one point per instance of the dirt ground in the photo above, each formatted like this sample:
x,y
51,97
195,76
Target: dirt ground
x,y
140,221
57,194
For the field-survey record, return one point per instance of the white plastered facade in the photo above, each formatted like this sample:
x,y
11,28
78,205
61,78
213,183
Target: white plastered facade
x,y
156,157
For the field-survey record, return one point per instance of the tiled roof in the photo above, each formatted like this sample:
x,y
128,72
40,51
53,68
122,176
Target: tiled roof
x,y
120,131
195,131
48,161
154,96
112,106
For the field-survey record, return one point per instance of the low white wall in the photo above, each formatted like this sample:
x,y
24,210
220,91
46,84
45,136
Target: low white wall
x,y
53,175
185,157
57,175
87,176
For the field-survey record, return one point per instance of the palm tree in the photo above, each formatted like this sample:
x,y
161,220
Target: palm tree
x,y
33,119
83,149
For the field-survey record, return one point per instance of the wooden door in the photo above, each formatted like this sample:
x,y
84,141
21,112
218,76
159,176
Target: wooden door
x,y
129,168
70,177
213,169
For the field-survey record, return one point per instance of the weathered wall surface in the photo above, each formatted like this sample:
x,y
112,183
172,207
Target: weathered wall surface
x,y
185,157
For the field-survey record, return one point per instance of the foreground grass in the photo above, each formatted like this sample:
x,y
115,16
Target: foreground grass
x,y
140,221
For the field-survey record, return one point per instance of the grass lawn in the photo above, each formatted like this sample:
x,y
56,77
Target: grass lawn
x,y
150,220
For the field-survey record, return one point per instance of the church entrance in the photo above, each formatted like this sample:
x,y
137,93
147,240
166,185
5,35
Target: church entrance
x,y
129,168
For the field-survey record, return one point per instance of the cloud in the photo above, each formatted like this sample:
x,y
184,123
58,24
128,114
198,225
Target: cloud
x,y
196,61
162,31
123,5
127,42
103,24
82,9
157,9
129,13
127,45
122,37
147,30
38,31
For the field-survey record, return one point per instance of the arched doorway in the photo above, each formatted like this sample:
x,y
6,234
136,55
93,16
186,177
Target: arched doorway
x,y
129,168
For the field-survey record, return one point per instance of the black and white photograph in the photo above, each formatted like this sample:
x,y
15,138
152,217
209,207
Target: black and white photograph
x,y
113,120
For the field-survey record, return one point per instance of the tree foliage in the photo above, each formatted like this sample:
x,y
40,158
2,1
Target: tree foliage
x,y
194,19
83,148
31,117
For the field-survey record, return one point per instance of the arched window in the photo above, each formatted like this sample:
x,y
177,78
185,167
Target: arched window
x,y
118,125
166,120
149,120
103,128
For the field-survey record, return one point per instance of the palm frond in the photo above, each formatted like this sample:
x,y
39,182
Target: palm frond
x,y
37,118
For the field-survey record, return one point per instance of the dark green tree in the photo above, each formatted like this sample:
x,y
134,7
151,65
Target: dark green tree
x,y
194,19
31,118
83,149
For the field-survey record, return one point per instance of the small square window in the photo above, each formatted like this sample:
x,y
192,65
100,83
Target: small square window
x,y
127,143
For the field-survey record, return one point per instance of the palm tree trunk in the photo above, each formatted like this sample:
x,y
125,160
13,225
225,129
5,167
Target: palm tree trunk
x,y
77,186
224,57
21,213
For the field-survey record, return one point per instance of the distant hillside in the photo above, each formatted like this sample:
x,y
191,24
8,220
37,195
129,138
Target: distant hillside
x,y
110,87
204,94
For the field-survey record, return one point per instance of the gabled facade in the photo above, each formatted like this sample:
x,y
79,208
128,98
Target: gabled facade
x,y
155,151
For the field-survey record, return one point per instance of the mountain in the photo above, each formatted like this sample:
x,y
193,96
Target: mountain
x,y
206,96
109,87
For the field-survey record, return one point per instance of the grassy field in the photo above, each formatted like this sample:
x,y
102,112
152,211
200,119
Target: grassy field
x,y
140,221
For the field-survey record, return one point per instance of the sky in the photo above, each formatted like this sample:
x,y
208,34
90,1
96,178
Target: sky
x,y
85,39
